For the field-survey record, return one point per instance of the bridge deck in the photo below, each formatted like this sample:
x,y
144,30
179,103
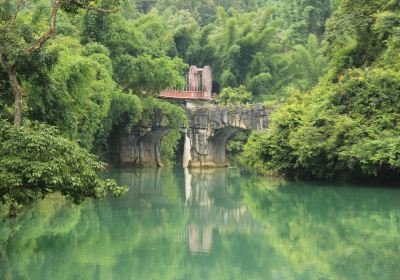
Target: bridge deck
x,y
186,95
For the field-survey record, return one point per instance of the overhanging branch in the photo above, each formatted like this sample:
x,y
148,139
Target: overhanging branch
x,y
47,35
53,21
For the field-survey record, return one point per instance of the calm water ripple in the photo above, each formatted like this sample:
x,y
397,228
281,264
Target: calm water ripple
x,y
210,224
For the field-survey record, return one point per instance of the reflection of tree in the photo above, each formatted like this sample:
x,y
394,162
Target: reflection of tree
x,y
335,233
142,236
7,271
303,232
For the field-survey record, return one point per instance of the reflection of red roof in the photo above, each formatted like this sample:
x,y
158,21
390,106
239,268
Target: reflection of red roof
x,y
180,94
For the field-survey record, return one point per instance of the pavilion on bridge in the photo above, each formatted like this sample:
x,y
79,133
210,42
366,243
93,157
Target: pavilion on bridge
x,y
198,86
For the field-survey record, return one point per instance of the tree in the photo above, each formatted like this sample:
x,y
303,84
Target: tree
x,y
347,125
344,128
75,94
309,64
304,17
17,45
356,35
36,161
147,75
234,96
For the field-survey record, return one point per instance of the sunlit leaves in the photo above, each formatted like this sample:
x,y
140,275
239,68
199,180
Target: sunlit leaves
x,y
149,75
234,96
35,161
350,127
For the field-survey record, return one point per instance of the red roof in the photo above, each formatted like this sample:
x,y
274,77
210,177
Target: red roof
x,y
178,94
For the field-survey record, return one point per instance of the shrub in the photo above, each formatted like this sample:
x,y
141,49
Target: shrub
x,y
36,161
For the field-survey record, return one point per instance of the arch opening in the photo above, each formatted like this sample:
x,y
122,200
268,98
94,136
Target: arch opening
x,y
217,145
234,146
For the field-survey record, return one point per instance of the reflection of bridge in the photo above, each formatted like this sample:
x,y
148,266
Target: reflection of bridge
x,y
212,208
207,204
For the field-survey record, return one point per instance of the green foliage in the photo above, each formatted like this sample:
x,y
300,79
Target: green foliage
x,y
149,75
303,17
243,47
77,94
234,96
349,127
234,146
36,161
348,124
102,71
171,115
205,11
357,33
309,63
145,50
125,110
169,146
259,84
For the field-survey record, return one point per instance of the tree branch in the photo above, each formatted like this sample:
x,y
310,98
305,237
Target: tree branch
x,y
47,35
53,21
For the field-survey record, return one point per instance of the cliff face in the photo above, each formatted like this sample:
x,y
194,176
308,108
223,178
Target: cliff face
x,y
210,127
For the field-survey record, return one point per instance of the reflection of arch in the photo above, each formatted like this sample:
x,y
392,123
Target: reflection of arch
x,y
205,187
147,187
200,238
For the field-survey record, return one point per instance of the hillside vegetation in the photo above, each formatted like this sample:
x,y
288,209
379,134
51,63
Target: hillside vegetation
x,y
349,123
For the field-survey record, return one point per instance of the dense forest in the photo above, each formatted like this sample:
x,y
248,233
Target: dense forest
x,y
72,71
348,124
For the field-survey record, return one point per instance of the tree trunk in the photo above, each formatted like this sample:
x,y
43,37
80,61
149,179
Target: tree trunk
x,y
16,88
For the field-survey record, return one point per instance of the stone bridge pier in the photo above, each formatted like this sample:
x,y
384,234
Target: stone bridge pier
x,y
140,147
210,127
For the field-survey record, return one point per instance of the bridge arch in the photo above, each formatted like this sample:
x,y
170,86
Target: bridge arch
x,y
217,145
212,126
149,147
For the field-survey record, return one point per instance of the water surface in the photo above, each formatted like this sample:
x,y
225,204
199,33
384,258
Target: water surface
x,y
213,224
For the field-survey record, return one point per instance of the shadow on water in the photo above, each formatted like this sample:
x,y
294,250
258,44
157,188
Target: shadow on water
x,y
208,224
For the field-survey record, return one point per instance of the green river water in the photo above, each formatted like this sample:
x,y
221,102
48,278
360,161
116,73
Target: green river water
x,y
210,224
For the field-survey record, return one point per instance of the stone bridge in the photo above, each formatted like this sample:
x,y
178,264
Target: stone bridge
x,y
210,127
